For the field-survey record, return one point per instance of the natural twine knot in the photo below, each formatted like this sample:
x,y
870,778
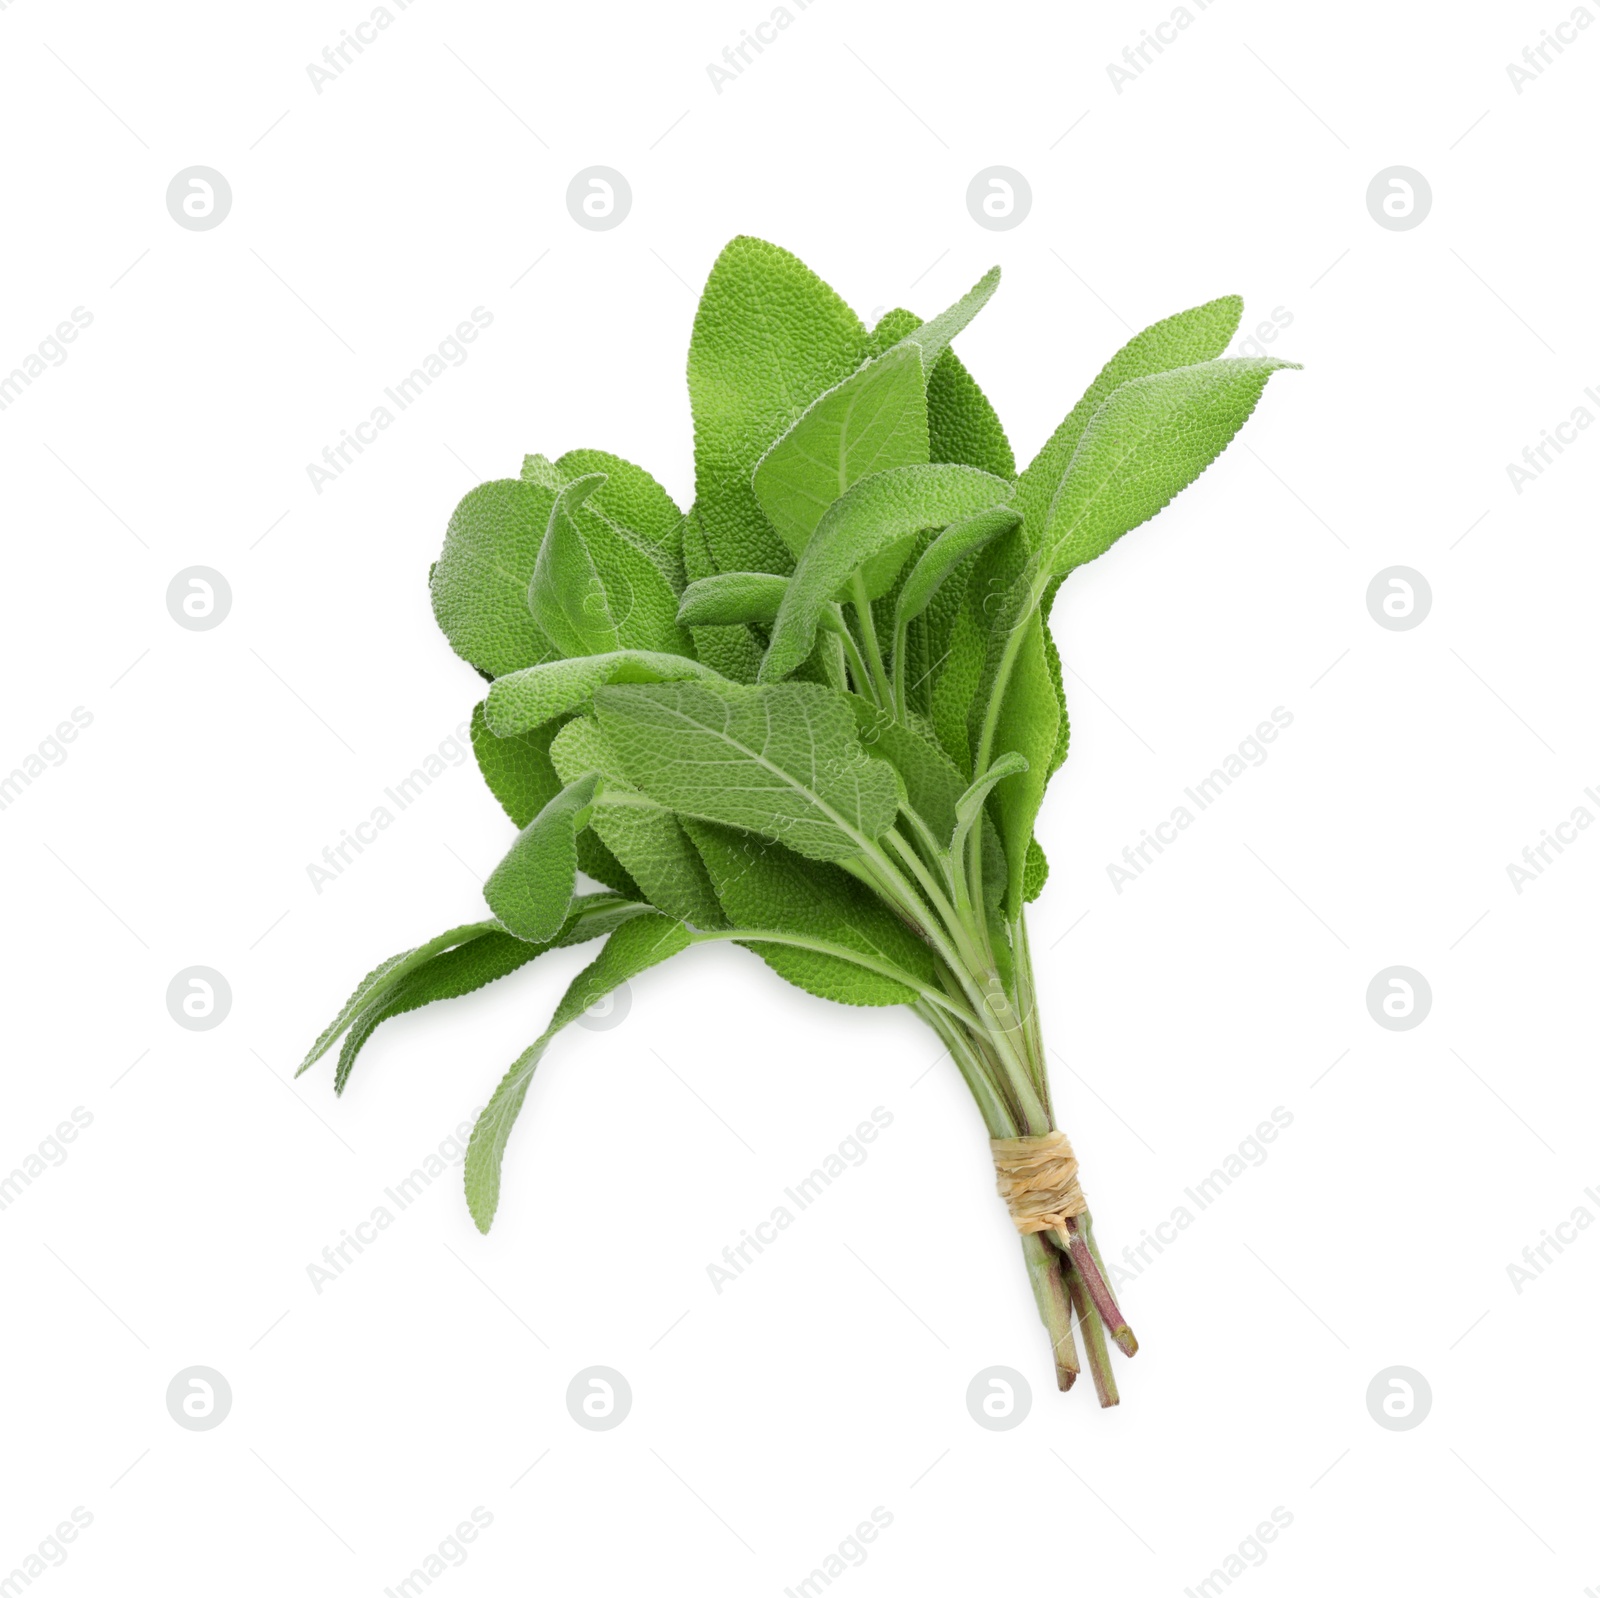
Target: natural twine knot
x,y
1038,1179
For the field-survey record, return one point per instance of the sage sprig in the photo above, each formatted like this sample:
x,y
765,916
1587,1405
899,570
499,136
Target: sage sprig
x,y
815,714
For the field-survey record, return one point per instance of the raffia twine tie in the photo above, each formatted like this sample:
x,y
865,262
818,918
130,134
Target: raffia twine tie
x,y
1038,1179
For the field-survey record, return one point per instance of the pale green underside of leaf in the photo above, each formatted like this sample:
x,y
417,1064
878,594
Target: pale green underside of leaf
x,y
379,982
633,948
780,760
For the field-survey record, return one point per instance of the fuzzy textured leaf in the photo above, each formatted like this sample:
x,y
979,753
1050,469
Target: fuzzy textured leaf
x,y
731,598
645,836
470,966
782,760
1198,334
769,337
528,699
530,891
593,590
480,582
1147,442
633,948
763,885
876,419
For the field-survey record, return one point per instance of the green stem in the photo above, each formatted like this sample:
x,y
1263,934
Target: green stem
x,y
858,667
1094,1342
1002,676
1055,1305
1073,1240
899,664
1028,1004
996,1117
869,639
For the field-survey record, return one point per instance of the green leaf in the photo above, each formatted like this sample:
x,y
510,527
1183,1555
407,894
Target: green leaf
x,y
1028,721
730,598
379,982
764,886
520,775
530,891
528,699
970,805
931,781
769,337
470,966
633,948
632,500
1034,871
780,760
963,428
517,768
544,471
593,590
879,513
1194,335
956,543
735,652
479,583
876,419
645,836
1147,442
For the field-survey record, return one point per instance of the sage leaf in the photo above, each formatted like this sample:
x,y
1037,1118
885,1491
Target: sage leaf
x,y
1147,442
527,699
730,598
645,836
530,891
764,886
769,337
963,428
953,545
782,760
479,584
1199,334
470,966
593,591
384,978
633,948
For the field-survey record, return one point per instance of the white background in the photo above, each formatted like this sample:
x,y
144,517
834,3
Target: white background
x,y
369,219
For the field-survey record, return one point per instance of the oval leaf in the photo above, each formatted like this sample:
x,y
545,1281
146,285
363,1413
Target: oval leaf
x,y
530,891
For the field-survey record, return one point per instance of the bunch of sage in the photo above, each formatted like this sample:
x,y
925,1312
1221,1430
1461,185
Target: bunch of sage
x,y
816,714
